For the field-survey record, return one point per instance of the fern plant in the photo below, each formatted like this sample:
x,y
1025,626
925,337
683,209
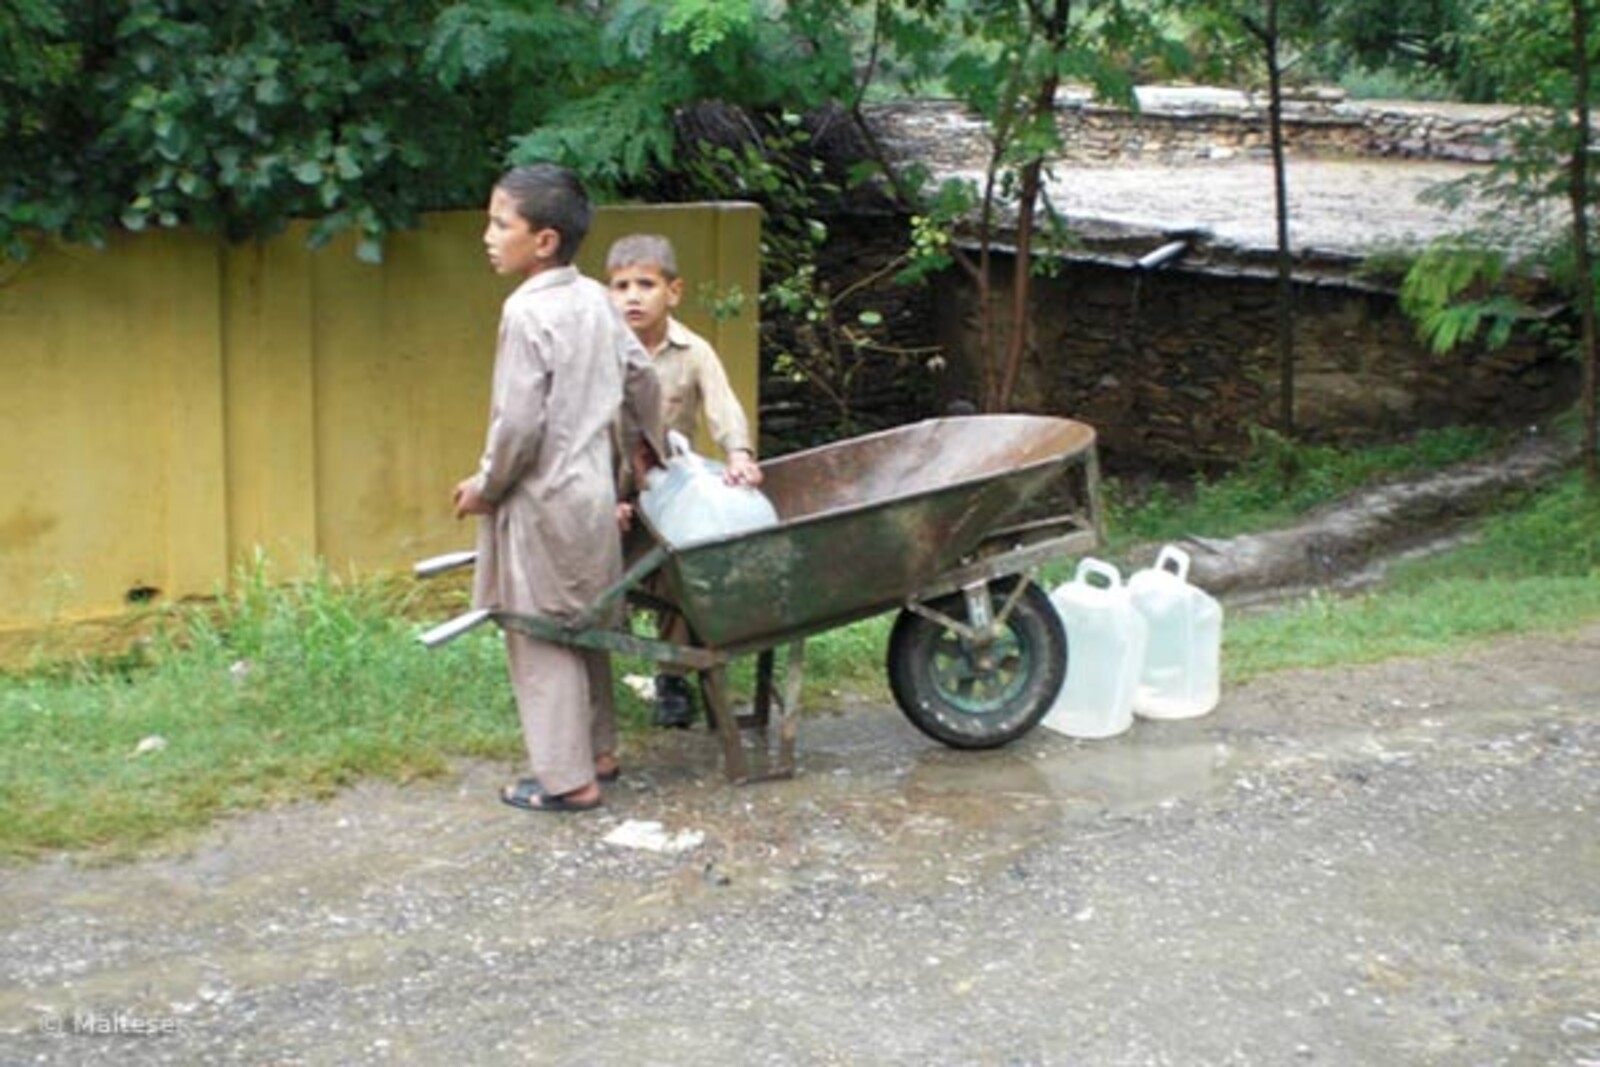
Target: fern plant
x,y
1454,290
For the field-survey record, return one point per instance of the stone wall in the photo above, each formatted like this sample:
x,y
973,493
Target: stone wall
x,y
1172,125
1173,368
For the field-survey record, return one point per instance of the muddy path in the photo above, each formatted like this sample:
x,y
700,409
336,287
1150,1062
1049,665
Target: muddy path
x,y
1393,864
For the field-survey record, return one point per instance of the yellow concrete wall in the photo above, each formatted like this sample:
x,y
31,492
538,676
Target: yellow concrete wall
x,y
173,403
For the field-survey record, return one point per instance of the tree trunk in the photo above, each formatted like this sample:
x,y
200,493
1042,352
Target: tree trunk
x,y
1022,279
1043,105
1008,365
1578,194
1280,188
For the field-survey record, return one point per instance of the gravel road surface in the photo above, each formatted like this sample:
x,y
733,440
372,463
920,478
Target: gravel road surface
x,y
1390,865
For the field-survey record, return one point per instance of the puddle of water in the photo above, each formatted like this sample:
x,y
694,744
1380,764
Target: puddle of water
x,y
1142,773
1147,766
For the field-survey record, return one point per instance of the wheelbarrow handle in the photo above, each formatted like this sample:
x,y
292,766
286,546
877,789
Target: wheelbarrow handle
x,y
454,628
433,565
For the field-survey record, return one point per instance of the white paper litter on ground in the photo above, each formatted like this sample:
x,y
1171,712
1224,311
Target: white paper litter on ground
x,y
651,836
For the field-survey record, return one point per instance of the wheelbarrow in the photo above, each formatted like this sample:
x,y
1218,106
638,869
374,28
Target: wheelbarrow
x,y
946,520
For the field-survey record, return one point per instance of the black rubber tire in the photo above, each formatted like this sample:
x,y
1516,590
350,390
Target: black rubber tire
x,y
947,695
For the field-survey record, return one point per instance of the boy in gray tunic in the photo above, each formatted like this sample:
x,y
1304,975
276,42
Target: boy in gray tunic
x,y
545,491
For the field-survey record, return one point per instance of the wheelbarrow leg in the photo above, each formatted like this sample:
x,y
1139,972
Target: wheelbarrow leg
x,y
730,727
761,699
789,707
714,685
760,710
780,765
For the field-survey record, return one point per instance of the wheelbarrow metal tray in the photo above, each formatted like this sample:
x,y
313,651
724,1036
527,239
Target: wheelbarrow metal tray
x,y
866,523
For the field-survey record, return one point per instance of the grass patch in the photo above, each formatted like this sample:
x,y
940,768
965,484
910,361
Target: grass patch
x,y
1532,570
1555,533
1278,483
1322,631
283,691
280,691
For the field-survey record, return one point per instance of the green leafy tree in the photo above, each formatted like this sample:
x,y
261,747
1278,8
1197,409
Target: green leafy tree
x,y
1006,60
359,114
1579,199
1467,284
40,115
651,59
237,118
1421,38
37,63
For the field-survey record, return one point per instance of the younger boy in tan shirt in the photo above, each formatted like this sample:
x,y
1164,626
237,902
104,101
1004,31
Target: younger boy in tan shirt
x,y
646,288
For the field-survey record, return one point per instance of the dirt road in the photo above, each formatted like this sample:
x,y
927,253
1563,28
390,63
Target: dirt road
x,y
1393,865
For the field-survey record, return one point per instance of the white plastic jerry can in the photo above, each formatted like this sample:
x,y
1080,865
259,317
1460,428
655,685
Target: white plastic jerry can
x,y
688,501
1183,655
1105,647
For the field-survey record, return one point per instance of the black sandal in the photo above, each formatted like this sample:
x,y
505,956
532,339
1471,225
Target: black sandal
x,y
529,795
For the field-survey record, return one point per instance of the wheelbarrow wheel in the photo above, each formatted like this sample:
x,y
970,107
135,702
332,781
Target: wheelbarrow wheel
x,y
968,696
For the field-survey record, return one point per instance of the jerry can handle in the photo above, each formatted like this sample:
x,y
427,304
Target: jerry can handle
x,y
1175,560
1089,567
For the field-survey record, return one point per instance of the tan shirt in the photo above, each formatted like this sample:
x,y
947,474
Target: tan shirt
x,y
693,382
565,364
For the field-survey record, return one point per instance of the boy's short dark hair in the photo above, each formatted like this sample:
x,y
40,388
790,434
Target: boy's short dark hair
x,y
550,197
643,250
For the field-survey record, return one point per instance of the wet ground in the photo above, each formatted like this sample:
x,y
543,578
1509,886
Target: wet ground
x,y
1346,206
1390,865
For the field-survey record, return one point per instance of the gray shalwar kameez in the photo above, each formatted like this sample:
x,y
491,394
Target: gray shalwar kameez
x,y
564,365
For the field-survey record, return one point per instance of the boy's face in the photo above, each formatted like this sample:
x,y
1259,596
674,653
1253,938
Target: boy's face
x,y
644,295
514,246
